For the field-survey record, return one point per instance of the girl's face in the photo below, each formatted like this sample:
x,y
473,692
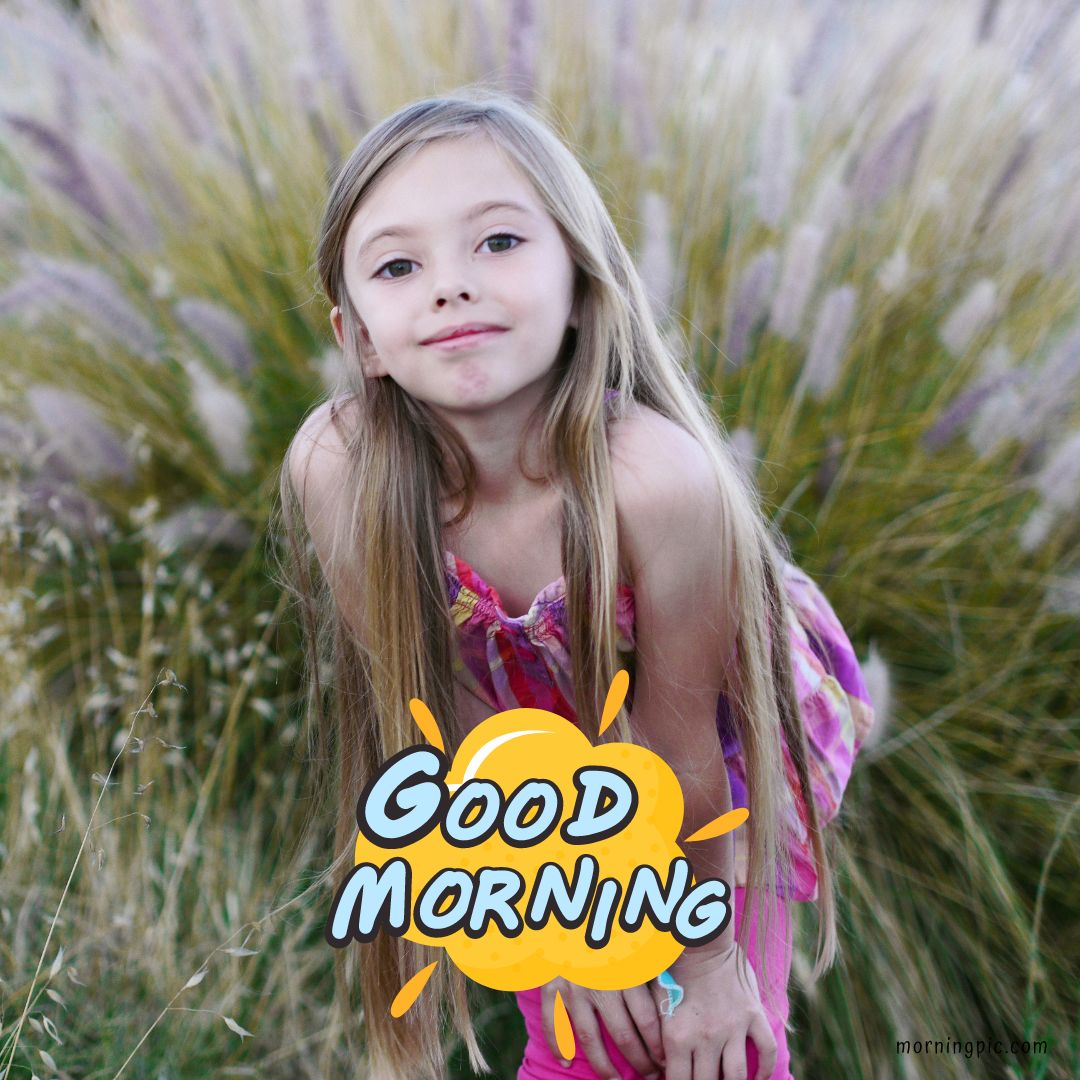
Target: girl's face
x,y
437,245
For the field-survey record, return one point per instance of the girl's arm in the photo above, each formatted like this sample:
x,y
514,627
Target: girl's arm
x,y
670,521
318,467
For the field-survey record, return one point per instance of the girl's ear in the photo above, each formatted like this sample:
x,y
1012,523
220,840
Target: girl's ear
x,y
335,322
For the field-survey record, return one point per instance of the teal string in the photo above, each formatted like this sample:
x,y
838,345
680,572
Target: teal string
x,y
675,992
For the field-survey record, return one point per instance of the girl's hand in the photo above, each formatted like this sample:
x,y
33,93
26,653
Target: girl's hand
x,y
705,1037
631,1017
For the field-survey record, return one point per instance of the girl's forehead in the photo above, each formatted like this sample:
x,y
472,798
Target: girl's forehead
x,y
445,174
462,153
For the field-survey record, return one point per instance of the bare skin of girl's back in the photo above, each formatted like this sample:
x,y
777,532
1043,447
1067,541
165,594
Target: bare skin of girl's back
x,y
515,549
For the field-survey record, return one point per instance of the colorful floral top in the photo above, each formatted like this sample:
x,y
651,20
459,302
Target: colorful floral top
x,y
525,662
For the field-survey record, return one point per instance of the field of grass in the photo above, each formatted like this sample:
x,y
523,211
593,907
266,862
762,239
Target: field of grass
x,y
862,223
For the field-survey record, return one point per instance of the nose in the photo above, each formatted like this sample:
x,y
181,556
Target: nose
x,y
442,296
452,280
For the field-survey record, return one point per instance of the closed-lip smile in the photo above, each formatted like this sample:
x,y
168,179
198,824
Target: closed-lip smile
x,y
461,331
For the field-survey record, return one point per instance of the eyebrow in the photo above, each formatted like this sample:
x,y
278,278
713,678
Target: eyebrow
x,y
477,211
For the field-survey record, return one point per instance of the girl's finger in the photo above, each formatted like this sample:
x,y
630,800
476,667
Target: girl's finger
x,y
587,1038
734,1058
646,1017
765,1041
678,1062
619,1021
706,1064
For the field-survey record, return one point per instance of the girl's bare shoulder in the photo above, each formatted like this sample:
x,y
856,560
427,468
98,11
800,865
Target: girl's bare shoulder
x,y
318,451
317,461
650,454
663,481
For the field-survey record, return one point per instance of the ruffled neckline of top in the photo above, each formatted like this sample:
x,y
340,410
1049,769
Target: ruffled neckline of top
x,y
467,576
550,594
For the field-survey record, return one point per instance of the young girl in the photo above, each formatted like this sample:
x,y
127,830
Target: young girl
x,y
514,493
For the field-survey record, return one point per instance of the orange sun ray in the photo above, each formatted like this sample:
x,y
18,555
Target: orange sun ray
x,y
564,1033
725,823
411,990
615,696
426,723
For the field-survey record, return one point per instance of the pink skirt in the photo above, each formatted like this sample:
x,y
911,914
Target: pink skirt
x,y
541,1064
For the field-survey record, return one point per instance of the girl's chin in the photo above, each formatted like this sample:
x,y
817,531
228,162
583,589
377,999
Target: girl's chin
x,y
475,391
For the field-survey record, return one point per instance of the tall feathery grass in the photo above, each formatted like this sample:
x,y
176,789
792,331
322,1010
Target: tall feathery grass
x,y
863,222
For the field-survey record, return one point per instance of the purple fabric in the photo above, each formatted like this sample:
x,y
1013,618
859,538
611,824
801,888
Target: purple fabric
x,y
525,662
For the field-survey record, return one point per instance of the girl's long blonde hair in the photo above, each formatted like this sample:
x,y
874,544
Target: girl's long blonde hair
x,y
388,533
